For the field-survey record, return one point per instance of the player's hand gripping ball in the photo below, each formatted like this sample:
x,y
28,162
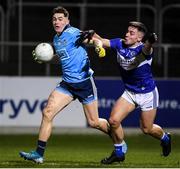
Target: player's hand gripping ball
x,y
43,52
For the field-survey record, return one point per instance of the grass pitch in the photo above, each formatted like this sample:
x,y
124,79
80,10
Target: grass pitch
x,y
86,151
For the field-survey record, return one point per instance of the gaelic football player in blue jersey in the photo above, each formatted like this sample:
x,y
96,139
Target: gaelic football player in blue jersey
x,y
134,55
77,81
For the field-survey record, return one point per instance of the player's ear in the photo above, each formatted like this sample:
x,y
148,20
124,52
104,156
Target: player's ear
x,y
67,21
140,36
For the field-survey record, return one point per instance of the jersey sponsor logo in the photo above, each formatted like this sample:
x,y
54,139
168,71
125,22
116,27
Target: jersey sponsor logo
x,y
128,54
132,53
123,51
131,63
127,64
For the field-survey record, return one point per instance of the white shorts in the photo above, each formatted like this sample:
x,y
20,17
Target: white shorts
x,y
146,101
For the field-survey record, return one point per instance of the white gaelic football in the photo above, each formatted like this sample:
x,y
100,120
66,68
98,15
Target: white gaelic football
x,y
44,52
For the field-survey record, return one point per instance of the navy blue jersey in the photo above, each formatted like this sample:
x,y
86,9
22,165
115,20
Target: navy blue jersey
x,y
135,67
73,59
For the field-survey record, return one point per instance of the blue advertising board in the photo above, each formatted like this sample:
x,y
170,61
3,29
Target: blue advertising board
x,y
168,114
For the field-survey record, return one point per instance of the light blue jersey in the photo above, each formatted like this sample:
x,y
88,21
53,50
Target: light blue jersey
x,y
135,67
73,59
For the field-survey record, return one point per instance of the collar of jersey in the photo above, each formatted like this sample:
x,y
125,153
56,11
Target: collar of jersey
x,y
67,26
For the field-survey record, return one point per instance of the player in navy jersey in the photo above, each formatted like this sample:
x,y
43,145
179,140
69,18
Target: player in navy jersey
x,y
77,81
134,55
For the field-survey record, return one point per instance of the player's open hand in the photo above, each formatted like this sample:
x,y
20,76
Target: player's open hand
x,y
35,57
83,35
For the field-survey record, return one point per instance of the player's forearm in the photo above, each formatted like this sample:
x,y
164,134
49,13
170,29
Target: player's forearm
x,y
150,39
105,42
97,36
147,49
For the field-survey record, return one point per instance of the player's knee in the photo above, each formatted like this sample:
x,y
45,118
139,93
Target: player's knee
x,y
47,114
113,122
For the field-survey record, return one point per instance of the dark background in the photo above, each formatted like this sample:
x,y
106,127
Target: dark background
x,y
26,23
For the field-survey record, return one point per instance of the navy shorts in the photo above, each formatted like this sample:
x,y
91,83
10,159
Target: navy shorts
x,y
84,91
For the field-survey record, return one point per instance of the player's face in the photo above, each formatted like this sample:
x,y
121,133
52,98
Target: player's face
x,y
59,22
133,36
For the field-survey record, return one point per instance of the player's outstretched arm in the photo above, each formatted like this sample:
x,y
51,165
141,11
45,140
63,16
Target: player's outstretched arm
x,y
100,43
84,37
99,47
87,38
91,38
105,42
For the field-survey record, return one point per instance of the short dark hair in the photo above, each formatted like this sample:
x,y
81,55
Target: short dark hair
x,y
60,9
139,25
